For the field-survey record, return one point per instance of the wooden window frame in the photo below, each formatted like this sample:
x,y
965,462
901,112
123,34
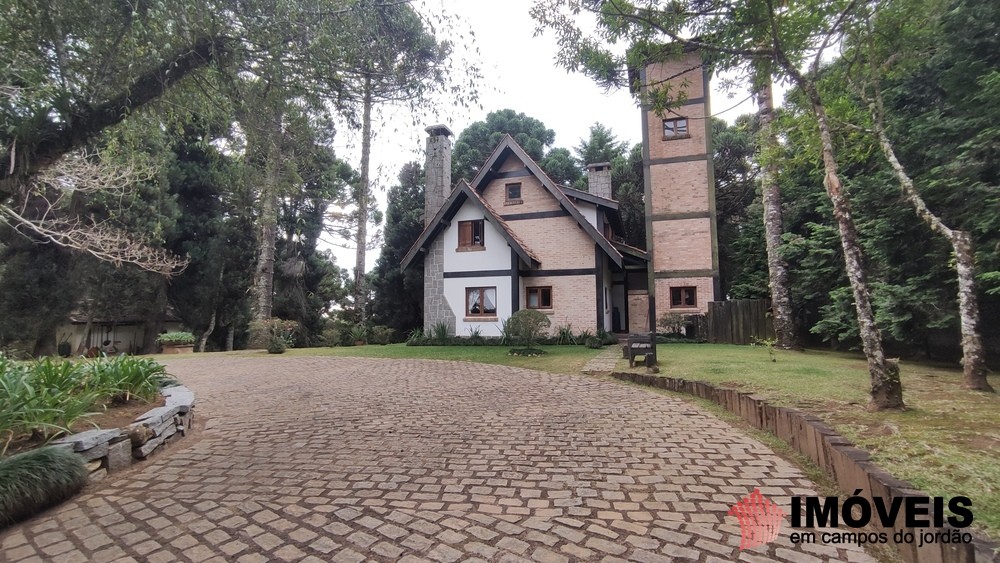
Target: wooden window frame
x,y
482,302
683,121
678,291
512,200
539,289
467,234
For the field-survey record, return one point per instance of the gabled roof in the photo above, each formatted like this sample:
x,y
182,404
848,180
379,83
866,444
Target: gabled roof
x,y
509,146
574,193
462,193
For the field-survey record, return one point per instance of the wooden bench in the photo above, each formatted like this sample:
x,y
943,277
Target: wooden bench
x,y
640,345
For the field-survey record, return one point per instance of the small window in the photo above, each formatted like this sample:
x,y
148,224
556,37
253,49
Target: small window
x,y
481,301
683,297
539,297
470,234
675,128
513,194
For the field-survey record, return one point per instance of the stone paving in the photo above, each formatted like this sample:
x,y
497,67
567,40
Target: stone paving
x,y
341,459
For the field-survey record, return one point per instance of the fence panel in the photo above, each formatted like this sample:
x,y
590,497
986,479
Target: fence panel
x,y
739,321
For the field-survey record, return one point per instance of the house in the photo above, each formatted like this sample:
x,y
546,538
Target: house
x,y
82,333
513,239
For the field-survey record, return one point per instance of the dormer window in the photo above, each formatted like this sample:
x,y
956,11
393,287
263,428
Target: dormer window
x,y
471,235
512,194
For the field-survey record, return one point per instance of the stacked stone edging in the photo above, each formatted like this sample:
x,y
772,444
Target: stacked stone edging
x,y
111,450
851,467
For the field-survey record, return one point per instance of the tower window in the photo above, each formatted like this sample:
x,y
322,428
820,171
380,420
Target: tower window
x,y
675,128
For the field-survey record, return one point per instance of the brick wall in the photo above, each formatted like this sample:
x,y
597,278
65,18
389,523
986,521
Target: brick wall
x,y
574,300
705,291
684,244
533,195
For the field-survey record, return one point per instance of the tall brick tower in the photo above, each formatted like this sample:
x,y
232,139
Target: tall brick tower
x,y
679,190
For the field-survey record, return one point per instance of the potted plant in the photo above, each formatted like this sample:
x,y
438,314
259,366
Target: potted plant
x,y
179,342
359,333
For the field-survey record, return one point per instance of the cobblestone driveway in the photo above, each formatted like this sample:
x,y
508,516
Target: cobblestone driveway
x,y
334,459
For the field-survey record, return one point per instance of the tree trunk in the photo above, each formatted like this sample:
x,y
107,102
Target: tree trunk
x,y
230,336
777,267
267,226
973,356
360,285
153,323
886,389
206,334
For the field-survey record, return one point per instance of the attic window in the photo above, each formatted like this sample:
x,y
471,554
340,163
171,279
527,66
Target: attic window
x,y
512,194
675,128
471,235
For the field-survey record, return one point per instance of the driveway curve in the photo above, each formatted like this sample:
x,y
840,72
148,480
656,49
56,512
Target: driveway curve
x,y
344,459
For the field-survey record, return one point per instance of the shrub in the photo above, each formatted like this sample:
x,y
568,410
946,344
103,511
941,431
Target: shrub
x,y
381,334
35,480
123,378
415,335
439,333
593,342
606,337
331,336
584,336
527,325
180,338
264,333
564,335
276,346
671,323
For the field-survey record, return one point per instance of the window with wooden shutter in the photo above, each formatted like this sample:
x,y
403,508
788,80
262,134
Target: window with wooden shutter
x,y
470,235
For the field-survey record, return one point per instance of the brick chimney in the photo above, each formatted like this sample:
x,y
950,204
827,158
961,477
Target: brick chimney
x,y
437,170
599,179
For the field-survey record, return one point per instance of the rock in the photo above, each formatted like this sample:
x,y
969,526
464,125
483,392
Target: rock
x,y
98,475
94,465
155,417
86,440
119,455
97,452
139,434
180,397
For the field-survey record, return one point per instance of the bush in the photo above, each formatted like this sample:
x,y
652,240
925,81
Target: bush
x,y
606,337
180,338
123,378
439,332
527,325
593,342
38,479
381,334
565,335
276,346
264,333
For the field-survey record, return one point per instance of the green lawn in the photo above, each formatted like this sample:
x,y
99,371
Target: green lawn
x,y
558,359
947,442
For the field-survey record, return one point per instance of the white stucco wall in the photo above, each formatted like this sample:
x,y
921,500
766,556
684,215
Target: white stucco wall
x,y
454,289
589,211
495,256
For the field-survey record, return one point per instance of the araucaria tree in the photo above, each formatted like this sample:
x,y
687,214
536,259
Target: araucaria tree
x,y
793,38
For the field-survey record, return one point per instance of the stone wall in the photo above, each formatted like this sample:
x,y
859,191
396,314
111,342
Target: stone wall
x,y
436,309
111,450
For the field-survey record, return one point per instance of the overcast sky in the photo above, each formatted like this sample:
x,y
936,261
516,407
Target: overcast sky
x,y
519,73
